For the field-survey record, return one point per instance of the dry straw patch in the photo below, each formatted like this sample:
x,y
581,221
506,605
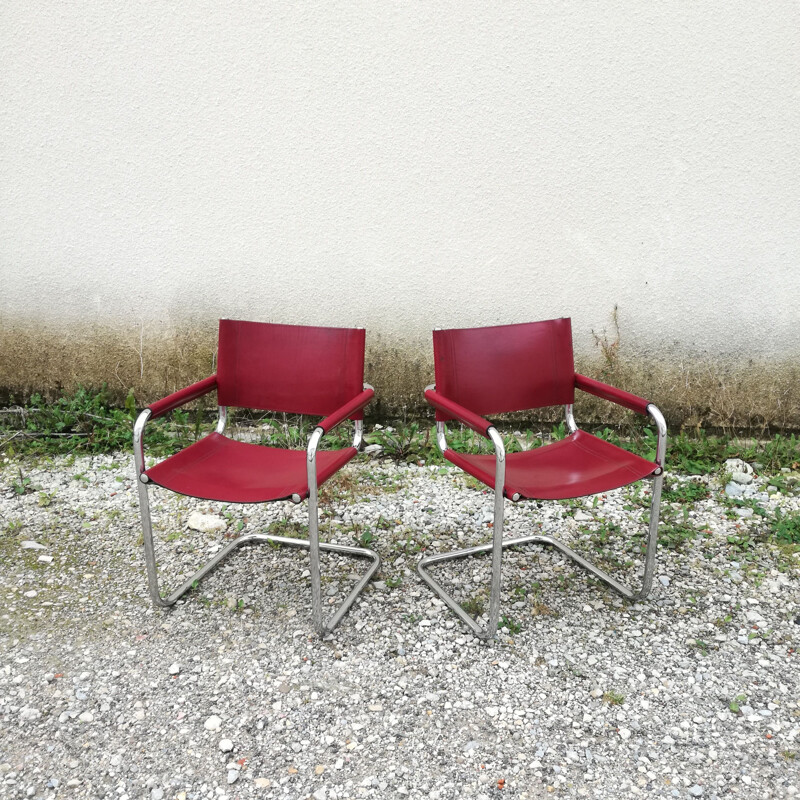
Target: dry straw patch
x,y
691,392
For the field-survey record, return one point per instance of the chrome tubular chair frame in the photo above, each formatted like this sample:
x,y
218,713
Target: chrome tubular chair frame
x,y
312,544
497,545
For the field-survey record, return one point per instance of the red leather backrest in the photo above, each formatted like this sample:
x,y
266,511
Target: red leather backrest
x,y
506,367
298,369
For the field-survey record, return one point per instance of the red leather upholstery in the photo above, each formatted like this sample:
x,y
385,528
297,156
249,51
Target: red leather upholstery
x,y
294,368
454,410
222,469
179,398
619,396
579,465
506,367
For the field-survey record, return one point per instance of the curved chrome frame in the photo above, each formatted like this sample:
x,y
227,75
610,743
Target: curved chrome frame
x,y
498,545
312,544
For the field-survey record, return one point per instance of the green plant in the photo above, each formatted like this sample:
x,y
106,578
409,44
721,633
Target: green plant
x,y
285,528
13,525
403,443
737,702
675,533
363,538
613,698
22,485
787,527
510,623
686,492
700,645
394,581
473,606
742,543
84,422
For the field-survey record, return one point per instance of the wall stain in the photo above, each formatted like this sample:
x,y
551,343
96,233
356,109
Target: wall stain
x,y
692,392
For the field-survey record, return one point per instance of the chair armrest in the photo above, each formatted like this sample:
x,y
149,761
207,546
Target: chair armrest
x,y
347,410
618,396
182,396
448,406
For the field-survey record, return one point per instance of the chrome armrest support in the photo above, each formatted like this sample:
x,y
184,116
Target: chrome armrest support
x,y
138,444
358,425
499,447
569,418
311,451
441,437
661,425
223,419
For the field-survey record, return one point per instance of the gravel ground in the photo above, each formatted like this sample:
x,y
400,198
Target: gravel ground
x,y
693,693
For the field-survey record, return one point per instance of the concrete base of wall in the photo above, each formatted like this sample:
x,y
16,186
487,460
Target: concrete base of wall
x,y
691,391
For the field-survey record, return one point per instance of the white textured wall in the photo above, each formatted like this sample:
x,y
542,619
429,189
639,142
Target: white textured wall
x,y
406,165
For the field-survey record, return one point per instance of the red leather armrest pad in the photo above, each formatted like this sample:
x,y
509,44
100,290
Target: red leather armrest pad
x,y
619,396
182,396
453,409
347,410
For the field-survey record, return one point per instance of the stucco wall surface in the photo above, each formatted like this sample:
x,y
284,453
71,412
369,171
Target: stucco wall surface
x,y
406,165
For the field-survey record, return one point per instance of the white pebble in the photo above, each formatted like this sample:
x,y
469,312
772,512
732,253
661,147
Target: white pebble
x,y
213,723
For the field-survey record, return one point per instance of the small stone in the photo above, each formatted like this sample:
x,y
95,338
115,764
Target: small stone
x,y
696,791
175,668
157,794
205,523
29,545
87,716
45,559
624,733
319,769
582,516
663,580
233,775
375,707
320,794
213,723
262,783
733,489
226,745
742,478
73,783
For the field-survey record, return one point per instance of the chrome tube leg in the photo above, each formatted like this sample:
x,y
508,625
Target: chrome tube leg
x,y
497,550
652,539
313,533
149,548
497,538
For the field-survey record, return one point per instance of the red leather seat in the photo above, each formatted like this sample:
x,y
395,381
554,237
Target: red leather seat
x,y
576,466
223,469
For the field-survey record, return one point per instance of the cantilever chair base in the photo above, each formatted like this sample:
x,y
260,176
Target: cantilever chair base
x,y
259,538
488,633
